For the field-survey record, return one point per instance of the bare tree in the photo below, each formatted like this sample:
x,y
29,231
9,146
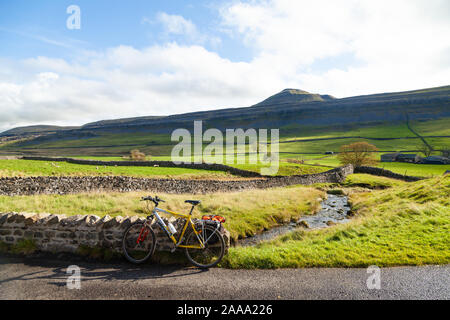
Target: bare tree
x,y
358,154
425,149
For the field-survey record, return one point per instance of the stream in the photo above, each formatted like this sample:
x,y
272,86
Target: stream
x,y
334,210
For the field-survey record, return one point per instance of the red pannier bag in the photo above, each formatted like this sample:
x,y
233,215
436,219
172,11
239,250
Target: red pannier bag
x,y
214,218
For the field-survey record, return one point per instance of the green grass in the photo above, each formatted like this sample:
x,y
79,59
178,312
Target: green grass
x,y
418,170
22,247
410,169
438,127
370,181
334,145
244,215
160,145
107,140
382,130
284,169
408,224
9,168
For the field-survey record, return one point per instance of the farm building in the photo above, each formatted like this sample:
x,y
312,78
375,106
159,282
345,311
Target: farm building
x,y
400,157
436,160
389,157
406,157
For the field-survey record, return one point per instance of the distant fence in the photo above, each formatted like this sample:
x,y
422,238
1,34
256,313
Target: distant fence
x,y
386,173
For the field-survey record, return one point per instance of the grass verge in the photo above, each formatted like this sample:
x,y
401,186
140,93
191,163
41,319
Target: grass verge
x,y
407,224
247,212
370,181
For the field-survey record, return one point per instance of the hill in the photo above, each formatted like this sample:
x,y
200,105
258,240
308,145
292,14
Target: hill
x,y
297,113
33,130
293,96
119,122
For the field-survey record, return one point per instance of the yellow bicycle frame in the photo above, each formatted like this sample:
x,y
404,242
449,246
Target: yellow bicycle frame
x,y
176,242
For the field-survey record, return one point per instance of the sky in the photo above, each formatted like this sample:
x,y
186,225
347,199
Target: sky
x,y
140,58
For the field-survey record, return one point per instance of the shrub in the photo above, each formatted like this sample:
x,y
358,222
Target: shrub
x,y
137,155
358,154
295,161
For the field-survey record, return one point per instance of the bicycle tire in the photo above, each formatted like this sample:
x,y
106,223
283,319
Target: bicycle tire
x,y
219,242
128,239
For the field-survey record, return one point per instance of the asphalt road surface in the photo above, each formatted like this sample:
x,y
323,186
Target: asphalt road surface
x,y
43,278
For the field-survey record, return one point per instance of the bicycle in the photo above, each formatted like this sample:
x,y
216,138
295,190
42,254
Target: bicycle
x,y
204,245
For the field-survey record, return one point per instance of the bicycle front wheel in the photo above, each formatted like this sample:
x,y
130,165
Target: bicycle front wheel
x,y
214,249
139,243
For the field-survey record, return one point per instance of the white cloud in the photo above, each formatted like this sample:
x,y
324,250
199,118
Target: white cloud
x,y
399,45
123,82
176,24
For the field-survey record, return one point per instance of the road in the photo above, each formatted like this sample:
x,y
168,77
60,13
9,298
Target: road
x,y
43,278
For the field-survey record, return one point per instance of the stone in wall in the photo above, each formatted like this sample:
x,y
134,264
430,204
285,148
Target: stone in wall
x,y
13,186
58,233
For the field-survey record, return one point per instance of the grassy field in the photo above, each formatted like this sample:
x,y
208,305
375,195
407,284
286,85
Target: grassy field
x,y
10,168
411,169
380,130
334,145
407,224
108,144
105,139
285,168
245,216
114,146
313,163
398,130
419,170
13,168
432,128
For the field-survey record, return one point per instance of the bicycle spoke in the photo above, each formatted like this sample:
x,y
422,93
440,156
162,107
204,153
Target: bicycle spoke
x,y
136,247
213,251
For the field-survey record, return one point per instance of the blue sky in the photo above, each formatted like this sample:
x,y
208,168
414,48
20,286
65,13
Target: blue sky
x,y
137,58
26,25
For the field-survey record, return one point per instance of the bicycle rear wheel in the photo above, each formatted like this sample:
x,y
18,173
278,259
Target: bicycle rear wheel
x,y
139,243
213,252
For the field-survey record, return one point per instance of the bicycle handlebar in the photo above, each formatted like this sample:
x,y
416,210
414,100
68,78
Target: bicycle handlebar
x,y
156,199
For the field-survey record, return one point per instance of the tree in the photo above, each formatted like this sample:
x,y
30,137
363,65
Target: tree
x,y
425,149
358,154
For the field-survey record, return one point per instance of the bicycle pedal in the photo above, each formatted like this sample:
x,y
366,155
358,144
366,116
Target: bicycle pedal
x,y
173,249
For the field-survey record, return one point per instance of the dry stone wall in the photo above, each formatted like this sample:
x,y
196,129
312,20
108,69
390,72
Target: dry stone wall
x,y
166,164
13,186
59,233
385,173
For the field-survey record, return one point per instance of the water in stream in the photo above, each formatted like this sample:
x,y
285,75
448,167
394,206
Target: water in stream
x,y
334,210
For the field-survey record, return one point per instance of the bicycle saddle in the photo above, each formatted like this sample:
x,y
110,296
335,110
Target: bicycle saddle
x,y
193,202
